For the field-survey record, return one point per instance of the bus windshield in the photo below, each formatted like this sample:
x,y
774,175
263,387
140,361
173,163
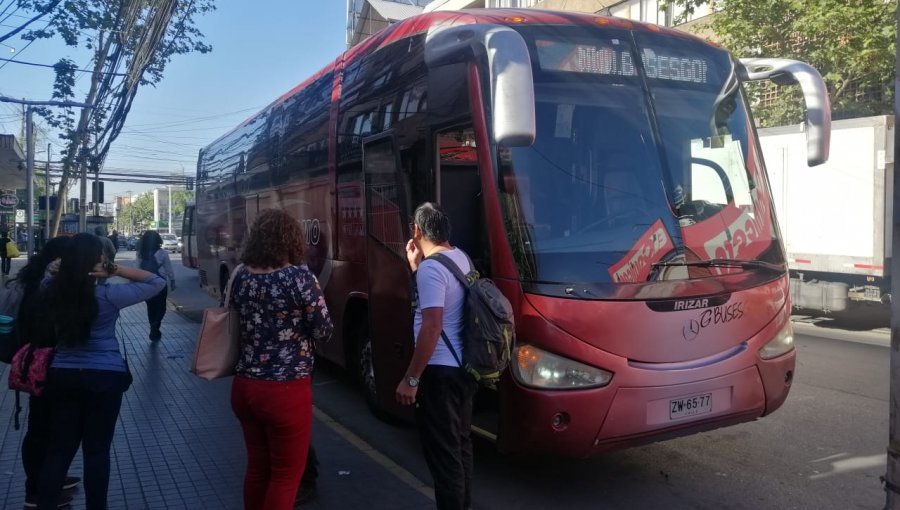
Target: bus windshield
x,y
645,162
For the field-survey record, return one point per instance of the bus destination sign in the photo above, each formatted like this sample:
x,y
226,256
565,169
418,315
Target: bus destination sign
x,y
603,60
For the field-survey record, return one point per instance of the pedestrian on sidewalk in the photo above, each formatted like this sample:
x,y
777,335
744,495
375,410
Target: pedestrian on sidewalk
x,y
37,433
5,260
114,237
282,315
156,260
88,374
109,250
434,381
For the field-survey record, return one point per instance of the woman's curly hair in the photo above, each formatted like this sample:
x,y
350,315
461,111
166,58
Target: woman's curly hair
x,y
275,238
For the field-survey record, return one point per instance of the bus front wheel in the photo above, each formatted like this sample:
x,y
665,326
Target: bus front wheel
x,y
365,360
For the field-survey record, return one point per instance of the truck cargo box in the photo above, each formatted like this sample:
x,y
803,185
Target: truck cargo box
x,y
835,219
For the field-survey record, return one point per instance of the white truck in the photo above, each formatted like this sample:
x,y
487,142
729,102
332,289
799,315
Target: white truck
x,y
835,218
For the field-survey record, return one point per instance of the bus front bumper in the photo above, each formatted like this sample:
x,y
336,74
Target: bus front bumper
x,y
585,423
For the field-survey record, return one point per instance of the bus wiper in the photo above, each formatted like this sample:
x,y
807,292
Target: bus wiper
x,y
741,263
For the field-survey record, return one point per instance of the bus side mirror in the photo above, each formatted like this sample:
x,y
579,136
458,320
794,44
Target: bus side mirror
x,y
509,67
818,106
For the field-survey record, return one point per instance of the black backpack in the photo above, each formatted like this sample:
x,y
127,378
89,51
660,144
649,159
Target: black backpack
x,y
488,325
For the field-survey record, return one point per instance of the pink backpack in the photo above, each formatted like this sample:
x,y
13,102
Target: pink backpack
x,y
29,368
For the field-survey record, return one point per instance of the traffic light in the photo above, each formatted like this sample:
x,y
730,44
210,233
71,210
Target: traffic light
x,y
97,192
189,184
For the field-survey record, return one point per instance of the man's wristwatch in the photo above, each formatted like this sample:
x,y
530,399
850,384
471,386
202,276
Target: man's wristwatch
x,y
412,381
110,268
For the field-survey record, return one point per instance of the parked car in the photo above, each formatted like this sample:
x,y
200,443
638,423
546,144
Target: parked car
x,y
170,242
132,242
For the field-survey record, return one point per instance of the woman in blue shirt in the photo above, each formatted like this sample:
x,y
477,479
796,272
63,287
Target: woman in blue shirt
x,y
88,374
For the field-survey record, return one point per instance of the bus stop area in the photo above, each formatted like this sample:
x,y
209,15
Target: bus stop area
x,y
178,445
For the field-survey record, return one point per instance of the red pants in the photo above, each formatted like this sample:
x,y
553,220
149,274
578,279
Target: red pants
x,y
277,420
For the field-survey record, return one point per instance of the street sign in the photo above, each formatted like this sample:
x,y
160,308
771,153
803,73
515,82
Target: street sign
x,y
9,201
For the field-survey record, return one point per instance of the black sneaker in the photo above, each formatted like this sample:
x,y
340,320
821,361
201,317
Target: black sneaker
x,y
71,482
305,494
61,502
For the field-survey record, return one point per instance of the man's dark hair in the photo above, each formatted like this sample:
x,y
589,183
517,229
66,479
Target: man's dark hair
x,y
433,222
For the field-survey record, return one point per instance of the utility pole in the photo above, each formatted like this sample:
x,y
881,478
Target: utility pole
x,y
47,198
29,172
29,183
169,186
131,209
890,480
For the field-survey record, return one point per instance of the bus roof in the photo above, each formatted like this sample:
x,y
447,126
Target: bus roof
x,y
423,22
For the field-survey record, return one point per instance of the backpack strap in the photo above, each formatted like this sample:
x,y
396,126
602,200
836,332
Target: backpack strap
x,y
453,268
457,272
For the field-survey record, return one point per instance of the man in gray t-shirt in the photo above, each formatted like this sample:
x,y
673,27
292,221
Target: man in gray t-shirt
x,y
434,381
109,251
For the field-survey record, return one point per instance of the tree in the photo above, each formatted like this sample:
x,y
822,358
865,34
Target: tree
x,y
132,42
850,42
137,214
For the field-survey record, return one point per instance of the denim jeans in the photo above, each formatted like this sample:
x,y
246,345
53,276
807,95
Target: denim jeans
x,y
83,407
444,419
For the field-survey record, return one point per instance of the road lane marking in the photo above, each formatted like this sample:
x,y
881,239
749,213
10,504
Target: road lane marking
x,y
380,458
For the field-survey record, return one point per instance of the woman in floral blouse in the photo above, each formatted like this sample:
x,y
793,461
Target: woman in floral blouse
x,y
282,316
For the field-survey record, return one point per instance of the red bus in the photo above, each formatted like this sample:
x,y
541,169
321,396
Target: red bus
x,y
605,174
189,238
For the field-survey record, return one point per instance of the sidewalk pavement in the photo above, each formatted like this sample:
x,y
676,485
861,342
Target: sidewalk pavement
x,y
178,445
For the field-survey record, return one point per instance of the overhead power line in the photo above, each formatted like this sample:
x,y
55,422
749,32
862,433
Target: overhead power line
x,y
14,61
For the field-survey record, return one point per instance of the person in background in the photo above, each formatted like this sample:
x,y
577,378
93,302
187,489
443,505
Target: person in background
x,y
37,433
114,237
282,315
154,259
109,249
5,261
88,374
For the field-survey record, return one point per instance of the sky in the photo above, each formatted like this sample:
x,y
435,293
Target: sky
x,y
261,50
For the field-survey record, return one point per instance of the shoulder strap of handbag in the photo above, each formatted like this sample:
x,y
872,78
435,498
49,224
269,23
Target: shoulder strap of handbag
x,y
230,284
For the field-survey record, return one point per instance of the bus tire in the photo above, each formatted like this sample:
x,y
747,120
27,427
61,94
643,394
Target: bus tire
x,y
365,366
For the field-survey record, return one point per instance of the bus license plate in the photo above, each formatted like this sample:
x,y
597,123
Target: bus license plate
x,y
690,406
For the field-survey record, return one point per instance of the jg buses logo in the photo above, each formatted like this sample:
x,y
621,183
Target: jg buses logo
x,y
711,317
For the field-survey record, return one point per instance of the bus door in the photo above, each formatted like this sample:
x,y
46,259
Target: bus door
x,y
385,354
459,192
188,239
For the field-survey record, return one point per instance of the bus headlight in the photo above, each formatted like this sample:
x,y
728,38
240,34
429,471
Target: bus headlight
x,y
783,343
541,369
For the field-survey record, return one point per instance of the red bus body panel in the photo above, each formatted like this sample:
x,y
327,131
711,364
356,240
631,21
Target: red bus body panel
x,y
654,356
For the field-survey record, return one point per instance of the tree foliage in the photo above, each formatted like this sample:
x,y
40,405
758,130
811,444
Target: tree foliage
x,y
138,213
132,42
851,42
141,209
